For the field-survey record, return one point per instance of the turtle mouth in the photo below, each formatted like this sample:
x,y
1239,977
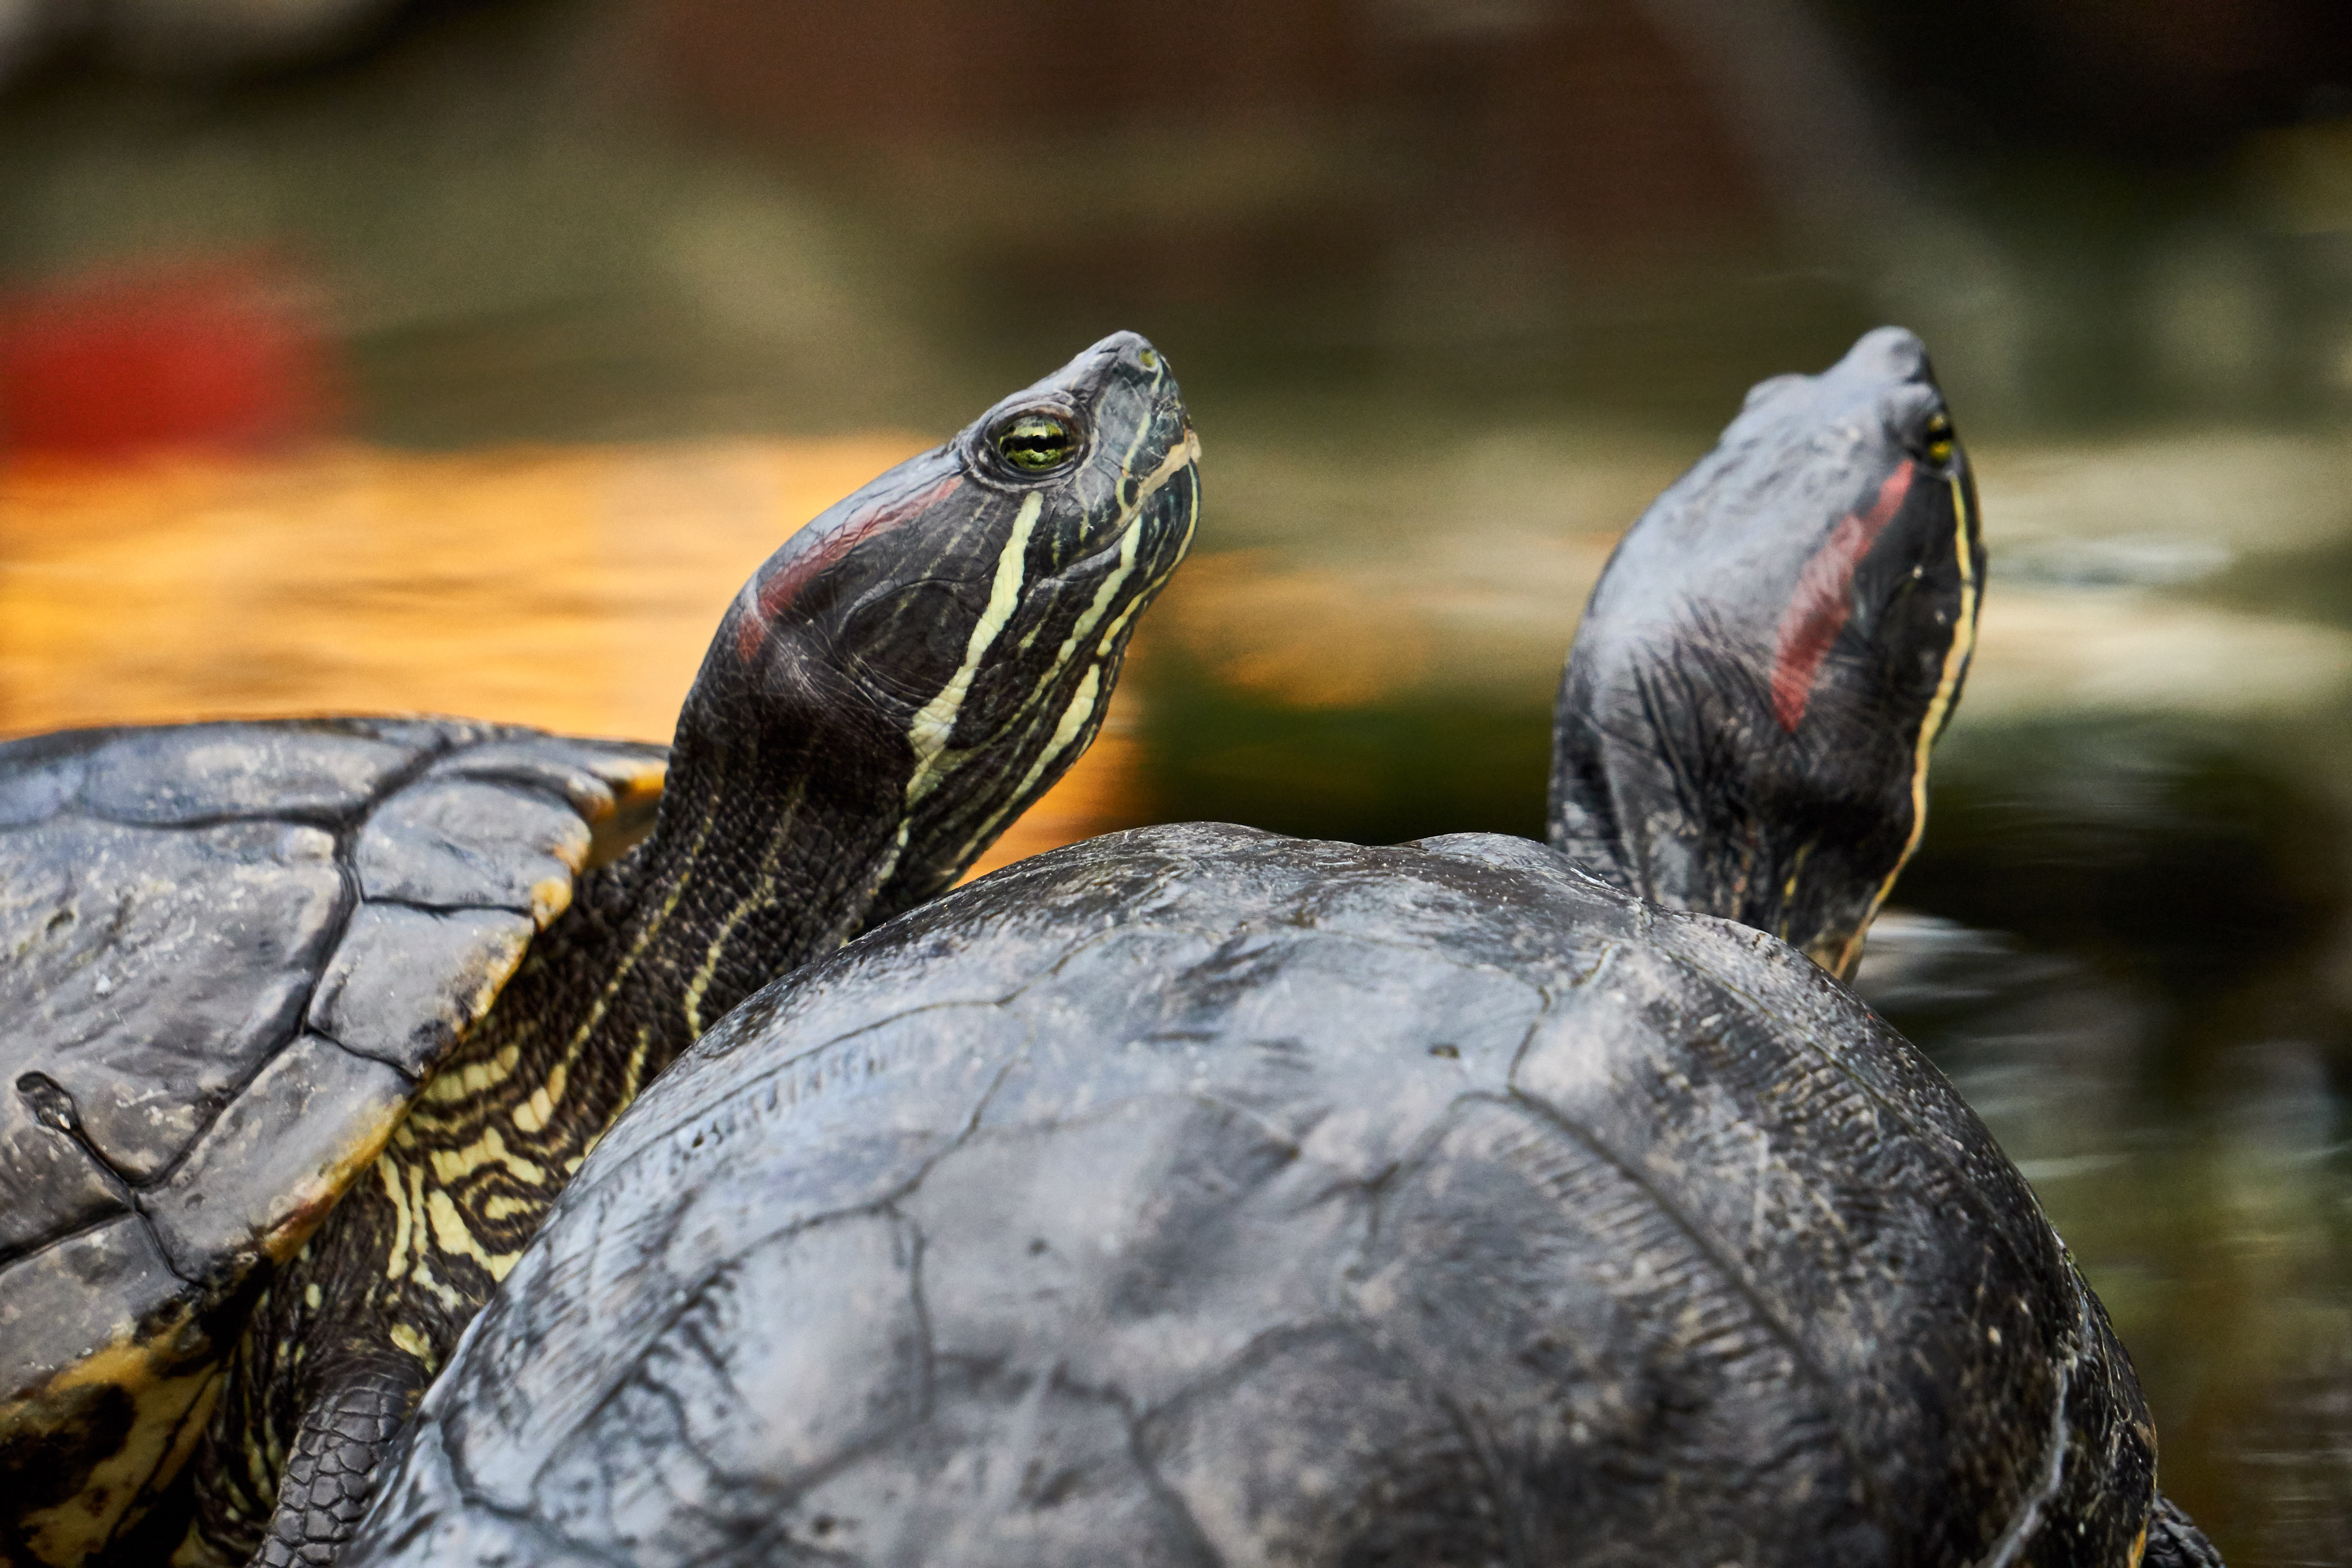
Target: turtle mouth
x,y
1182,455
1180,458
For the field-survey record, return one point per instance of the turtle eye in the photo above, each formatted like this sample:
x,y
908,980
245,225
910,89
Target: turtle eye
x,y
1034,442
1938,436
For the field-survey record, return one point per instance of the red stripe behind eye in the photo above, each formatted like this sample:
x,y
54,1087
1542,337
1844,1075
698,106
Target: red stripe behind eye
x,y
776,594
1818,609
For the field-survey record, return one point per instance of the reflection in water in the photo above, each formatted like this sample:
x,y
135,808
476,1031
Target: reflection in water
x,y
2164,1043
2207,1202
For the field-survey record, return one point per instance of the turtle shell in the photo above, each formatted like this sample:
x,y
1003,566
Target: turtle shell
x,y
1195,1196
234,950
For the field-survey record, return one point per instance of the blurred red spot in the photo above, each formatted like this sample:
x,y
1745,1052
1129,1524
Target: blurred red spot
x,y
220,353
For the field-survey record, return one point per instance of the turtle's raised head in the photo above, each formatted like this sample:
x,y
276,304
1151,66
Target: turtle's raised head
x,y
949,634
1744,721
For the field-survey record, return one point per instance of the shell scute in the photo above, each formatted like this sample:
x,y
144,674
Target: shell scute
x,y
406,984
39,1158
615,785
83,1292
185,919
41,775
588,774
1838,1192
273,1162
452,843
190,772
152,971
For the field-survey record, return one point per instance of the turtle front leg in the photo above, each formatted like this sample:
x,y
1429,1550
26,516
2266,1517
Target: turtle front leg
x,y
338,1450
2175,1542
266,1503
330,1367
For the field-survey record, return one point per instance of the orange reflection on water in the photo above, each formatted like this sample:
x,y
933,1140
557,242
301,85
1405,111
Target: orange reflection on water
x,y
574,588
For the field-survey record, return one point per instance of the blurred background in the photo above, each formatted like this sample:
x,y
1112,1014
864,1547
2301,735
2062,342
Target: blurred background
x,y
463,355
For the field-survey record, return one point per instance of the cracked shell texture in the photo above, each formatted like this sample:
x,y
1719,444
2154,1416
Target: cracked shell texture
x,y
1195,1196
228,953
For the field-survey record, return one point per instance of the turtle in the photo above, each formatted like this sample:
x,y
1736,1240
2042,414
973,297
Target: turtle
x,y
310,1020
1198,1196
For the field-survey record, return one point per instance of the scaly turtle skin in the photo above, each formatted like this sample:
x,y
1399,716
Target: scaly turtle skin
x,y
1199,1197
265,971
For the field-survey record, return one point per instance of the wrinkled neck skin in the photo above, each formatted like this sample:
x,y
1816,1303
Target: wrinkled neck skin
x,y
1744,725
1673,781
771,849
778,823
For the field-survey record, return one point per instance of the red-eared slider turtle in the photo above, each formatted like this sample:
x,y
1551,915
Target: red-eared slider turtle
x,y
254,968
1199,1197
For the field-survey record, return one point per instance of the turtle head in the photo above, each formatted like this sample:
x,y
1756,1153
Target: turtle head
x,y
1744,721
928,657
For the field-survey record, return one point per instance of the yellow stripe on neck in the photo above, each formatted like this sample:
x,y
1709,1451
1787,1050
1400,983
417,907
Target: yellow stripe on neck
x,y
1939,709
930,731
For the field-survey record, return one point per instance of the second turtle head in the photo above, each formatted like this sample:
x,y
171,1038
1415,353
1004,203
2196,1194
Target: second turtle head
x,y
1745,721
